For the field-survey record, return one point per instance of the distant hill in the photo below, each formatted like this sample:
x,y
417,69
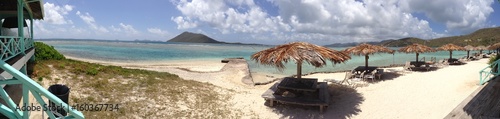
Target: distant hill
x,y
193,38
486,36
348,44
401,42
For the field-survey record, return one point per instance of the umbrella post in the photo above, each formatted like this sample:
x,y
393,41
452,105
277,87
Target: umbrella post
x,y
417,57
451,52
299,69
468,54
366,61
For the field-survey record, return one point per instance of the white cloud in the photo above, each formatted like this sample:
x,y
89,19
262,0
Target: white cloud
x,y
246,18
89,20
55,14
333,20
129,29
157,31
458,15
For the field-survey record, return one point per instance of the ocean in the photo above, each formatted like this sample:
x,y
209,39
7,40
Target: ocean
x,y
131,51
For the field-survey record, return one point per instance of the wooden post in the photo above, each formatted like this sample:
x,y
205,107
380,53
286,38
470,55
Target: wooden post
x,y
271,101
366,61
451,52
417,57
299,69
321,108
468,54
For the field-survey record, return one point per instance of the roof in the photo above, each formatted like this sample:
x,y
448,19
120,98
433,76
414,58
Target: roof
x,y
8,8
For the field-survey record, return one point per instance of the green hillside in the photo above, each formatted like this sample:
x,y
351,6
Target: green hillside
x,y
486,36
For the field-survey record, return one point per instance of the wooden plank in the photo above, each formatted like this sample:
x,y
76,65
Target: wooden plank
x,y
482,103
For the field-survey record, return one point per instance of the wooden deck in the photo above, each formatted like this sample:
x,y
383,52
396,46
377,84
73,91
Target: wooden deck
x,y
484,103
322,101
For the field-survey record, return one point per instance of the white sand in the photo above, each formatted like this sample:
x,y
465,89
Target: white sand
x,y
428,95
193,65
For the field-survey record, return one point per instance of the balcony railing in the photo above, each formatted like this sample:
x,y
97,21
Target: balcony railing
x,y
10,47
489,72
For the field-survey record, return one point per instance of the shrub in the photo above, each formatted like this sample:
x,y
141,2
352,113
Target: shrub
x,y
92,71
493,59
46,52
494,68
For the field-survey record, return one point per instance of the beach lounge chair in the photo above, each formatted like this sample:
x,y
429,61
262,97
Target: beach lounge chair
x,y
379,73
348,76
442,63
370,75
407,66
358,75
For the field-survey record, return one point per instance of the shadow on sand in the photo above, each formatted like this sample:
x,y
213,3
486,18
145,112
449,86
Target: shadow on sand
x,y
344,102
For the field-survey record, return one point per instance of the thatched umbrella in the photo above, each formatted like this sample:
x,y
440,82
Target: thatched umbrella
x,y
481,48
299,52
367,49
416,48
451,47
469,48
495,47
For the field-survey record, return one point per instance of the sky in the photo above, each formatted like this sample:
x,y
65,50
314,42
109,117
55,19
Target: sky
x,y
266,21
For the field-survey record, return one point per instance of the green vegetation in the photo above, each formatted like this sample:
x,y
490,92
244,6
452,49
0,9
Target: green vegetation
x,y
486,36
493,59
46,52
139,93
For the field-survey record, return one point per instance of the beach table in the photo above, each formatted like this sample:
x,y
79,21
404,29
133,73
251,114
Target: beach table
x,y
452,60
320,97
302,84
360,69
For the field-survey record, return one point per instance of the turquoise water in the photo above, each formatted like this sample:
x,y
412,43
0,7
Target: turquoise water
x,y
117,51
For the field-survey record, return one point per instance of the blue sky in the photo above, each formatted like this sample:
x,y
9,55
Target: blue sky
x,y
266,21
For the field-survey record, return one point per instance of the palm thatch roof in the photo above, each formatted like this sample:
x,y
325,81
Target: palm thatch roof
x,y
416,48
367,49
469,47
451,47
299,52
481,47
494,46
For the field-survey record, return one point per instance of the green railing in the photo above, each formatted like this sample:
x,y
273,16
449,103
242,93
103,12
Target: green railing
x,y
487,73
12,46
11,110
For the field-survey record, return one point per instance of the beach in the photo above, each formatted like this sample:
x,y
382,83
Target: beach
x,y
401,94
